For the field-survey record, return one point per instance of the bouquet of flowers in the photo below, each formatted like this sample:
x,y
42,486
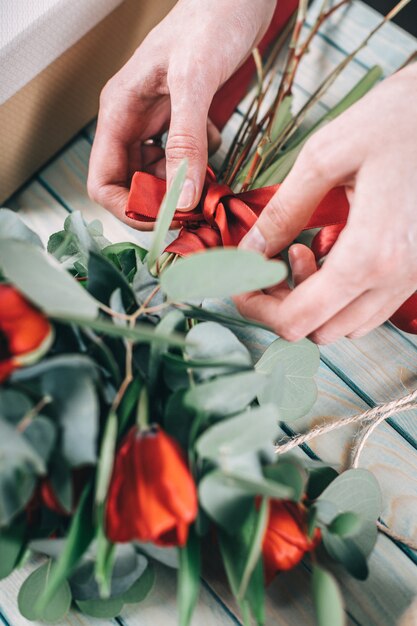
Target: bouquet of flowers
x,y
135,424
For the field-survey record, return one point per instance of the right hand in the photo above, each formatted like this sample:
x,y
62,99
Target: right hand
x,y
168,84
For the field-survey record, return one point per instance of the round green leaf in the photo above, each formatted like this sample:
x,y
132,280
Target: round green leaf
x,y
357,490
212,342
249,431
34,585
345,551
47,284
226,395
101,608
327,599
220,272
13,227
140,590
345,524
290,368
11,544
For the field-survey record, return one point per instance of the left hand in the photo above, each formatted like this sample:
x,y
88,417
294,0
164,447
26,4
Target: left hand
x,y
371,149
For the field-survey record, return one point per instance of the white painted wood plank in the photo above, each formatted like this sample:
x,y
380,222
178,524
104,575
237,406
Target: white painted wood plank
x,y
67,176
40,211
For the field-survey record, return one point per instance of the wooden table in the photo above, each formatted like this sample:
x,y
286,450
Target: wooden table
x,y
353,376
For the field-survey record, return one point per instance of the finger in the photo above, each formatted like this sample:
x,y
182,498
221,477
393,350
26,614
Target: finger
x,y
380,317
322,164
303,263
374,304
187,136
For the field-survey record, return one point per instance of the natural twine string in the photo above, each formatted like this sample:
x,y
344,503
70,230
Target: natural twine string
x,y
370,420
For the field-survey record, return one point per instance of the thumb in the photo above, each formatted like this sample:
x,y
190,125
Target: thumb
x,y
314,174
187,139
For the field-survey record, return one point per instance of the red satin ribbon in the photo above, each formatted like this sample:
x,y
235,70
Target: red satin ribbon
x,y
222,218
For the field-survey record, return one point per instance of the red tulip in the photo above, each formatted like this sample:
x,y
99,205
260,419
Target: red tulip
x,y
24,332
286,540
152,495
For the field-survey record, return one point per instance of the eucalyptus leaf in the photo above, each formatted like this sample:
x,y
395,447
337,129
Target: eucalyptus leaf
x,y
35,585
166,214
220,272
128,567
13,227
212,342
357,491
345,524
246,432
328,599
12,541
14,405
178,418
226,395
226,504
47,284
103,609
70,383
166,555
168,325
42,435
141,589
104,279
20,465
290,368
289,473
345,551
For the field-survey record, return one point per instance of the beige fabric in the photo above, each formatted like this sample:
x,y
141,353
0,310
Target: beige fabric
x,y
40,118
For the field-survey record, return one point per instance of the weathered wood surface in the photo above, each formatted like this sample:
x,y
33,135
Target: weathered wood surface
x,y
353,376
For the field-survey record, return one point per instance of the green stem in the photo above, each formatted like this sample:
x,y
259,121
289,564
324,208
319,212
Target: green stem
x,y
142,418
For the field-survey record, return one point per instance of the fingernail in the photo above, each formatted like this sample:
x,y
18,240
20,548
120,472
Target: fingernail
x,y
187,196
254,240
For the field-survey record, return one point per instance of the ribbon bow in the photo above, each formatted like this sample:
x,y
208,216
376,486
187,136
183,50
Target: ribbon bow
x,y
222,218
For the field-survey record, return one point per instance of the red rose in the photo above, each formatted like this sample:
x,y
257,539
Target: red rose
x,y
24,331
152,495
286,540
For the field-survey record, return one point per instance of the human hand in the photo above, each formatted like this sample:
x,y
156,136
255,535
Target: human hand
x,y
372,268
169,83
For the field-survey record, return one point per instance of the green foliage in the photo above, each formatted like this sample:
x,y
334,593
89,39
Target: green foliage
x,y
13,227
218,273
327,599
47,284
11,545
358,492
34,586
225,396
79,537
20,465
245,571
290,368
166,214
189,578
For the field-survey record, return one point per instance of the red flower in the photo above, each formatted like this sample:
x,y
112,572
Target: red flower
x,y
286,540
152,495
24,331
